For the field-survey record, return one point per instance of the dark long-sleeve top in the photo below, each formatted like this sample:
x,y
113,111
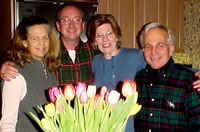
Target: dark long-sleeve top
x,y
169,102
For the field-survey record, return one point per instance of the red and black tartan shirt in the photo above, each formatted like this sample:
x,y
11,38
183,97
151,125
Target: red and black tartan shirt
x,y
80,70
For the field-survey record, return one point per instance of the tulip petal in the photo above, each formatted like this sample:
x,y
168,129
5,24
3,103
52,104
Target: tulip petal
x,y
45,124
84,98
91,90
103,91
113,97
69,92
50,109
96,100
80,88
128,88
135,109
53,92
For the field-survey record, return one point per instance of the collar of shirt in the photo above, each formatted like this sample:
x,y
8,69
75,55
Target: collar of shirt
x,y
163,70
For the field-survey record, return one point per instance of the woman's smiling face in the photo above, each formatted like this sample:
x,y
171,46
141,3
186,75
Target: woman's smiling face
x,y
106,40
37,41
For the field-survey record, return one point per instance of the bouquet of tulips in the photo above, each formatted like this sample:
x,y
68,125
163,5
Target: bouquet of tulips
x,y
89,111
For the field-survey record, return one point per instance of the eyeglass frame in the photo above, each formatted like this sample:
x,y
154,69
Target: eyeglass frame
x,y
109,35
159,46
67,20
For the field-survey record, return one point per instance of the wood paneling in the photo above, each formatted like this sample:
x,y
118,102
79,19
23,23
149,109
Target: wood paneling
x,y
125,22
133,14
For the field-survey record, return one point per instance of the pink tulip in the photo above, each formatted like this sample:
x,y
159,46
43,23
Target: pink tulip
x,y
69,92
80,88
59,107
106,97
113,97
53,92
96,100
103,91
128,88
84,98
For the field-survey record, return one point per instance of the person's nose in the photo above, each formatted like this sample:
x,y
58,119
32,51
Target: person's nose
x,y
71,23
42,42
153,49
105,37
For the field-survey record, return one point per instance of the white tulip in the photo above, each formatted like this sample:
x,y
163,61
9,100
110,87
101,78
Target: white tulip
x,y
113,97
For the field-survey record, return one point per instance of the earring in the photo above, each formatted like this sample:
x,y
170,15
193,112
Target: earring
x,y
24,43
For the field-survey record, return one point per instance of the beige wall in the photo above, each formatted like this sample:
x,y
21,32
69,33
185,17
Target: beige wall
x,y
133,14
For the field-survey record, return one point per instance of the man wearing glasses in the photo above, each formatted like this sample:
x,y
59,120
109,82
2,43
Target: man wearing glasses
x,y
165,90
76,56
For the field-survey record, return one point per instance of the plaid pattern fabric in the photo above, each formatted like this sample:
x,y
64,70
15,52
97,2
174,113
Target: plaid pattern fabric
x,y
80,70
169,102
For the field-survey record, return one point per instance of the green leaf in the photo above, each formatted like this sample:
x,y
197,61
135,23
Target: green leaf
x,y
121,111
80,117
35,118
98,115
104,127
89,115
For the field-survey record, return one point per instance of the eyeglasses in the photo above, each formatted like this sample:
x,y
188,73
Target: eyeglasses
x,y
109,35
76,20
158,46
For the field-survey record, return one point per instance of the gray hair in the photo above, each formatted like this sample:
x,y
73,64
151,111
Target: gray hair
x,y
171,38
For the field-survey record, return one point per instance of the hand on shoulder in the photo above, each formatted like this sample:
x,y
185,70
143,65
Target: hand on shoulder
x,y
8,71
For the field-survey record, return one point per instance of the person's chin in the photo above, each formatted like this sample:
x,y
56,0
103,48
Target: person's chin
x,y
155,66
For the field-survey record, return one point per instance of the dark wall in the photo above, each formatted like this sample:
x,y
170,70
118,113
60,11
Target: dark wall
x,y
5,26
5,31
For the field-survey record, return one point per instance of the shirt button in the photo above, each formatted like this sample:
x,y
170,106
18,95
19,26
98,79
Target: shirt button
x,y
164,75
113,76
150,130
152,99
151,114
151,84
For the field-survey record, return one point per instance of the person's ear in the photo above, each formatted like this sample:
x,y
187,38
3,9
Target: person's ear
x,y
24,42
58,26
171,49
96,45
83,25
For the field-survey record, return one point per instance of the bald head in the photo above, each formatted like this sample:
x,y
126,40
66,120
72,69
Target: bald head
x,y
70,9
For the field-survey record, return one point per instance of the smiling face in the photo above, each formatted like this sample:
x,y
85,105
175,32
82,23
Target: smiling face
x,y
106,40
157,52
37,41
71,30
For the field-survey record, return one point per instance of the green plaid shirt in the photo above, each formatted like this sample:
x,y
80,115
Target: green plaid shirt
x,y
169,102
80,70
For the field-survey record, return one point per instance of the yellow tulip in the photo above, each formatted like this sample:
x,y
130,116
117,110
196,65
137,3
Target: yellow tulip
x,y
45,124
135,109
50,109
